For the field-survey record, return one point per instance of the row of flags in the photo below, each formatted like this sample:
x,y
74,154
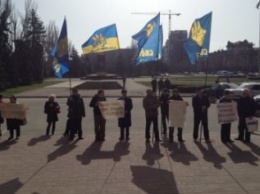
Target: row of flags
x,y
149,43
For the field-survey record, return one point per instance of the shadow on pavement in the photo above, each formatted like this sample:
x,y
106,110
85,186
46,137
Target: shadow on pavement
x,y
11,186
152,153
211,155
36,140
182,154
240,156
62,150
94,152
254,148
5,145
154,181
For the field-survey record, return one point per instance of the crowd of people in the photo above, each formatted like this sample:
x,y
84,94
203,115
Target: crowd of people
x,y
246,107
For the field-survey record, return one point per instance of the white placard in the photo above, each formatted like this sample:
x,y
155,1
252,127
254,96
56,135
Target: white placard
x,y
227,112
112,109
13,111
177,113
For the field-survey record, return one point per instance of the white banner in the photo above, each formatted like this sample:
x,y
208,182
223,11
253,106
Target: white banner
x,y
112,109
227,112
13,111
252,124
177,113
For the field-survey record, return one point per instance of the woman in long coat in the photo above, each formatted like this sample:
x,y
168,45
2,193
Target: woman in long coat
x,y
125,122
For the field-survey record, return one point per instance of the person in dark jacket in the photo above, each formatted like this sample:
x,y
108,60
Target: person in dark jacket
x,y
154,85
175,96
51,108
13,124
151,105
200,105
225,127
246,107
164,109
167,84
125,122
160,85
99,121
76,110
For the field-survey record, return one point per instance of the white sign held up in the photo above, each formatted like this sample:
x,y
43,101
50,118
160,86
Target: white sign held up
x,y
227,112
112,109
177,113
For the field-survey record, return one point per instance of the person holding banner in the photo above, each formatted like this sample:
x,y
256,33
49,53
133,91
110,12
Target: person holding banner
x,y
13,124
125,122
151,105
175,96
99,121
1,118
200,105
75,113
246,107
51,108
225,127
164,109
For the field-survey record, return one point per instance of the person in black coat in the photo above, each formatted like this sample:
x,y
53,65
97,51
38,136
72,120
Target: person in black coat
x,y
154,85
160,85
164,98
175,96
225,128
167,84
125,122
99,120
200,105
51,108
246,107
75,113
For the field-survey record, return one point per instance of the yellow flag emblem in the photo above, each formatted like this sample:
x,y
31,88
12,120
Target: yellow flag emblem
x,y
198,33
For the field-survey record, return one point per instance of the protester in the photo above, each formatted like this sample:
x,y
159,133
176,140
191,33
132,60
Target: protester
x,y
167,84
75,113
246,107
154,85
1,118
125,122
200,105
164,109
99,121
151,104
51,108
160,85
225,127
175,96
13,124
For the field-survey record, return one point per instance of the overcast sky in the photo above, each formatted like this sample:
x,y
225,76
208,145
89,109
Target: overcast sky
x,y
232,20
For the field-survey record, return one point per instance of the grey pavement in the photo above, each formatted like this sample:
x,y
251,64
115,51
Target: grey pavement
x,y
39,164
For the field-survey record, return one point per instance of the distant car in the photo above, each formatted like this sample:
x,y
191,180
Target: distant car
x,y
217,90
236,93
257,99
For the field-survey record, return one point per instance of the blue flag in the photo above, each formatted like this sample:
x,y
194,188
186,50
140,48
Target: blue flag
x,y
198,42
104,39
148,41
60,53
